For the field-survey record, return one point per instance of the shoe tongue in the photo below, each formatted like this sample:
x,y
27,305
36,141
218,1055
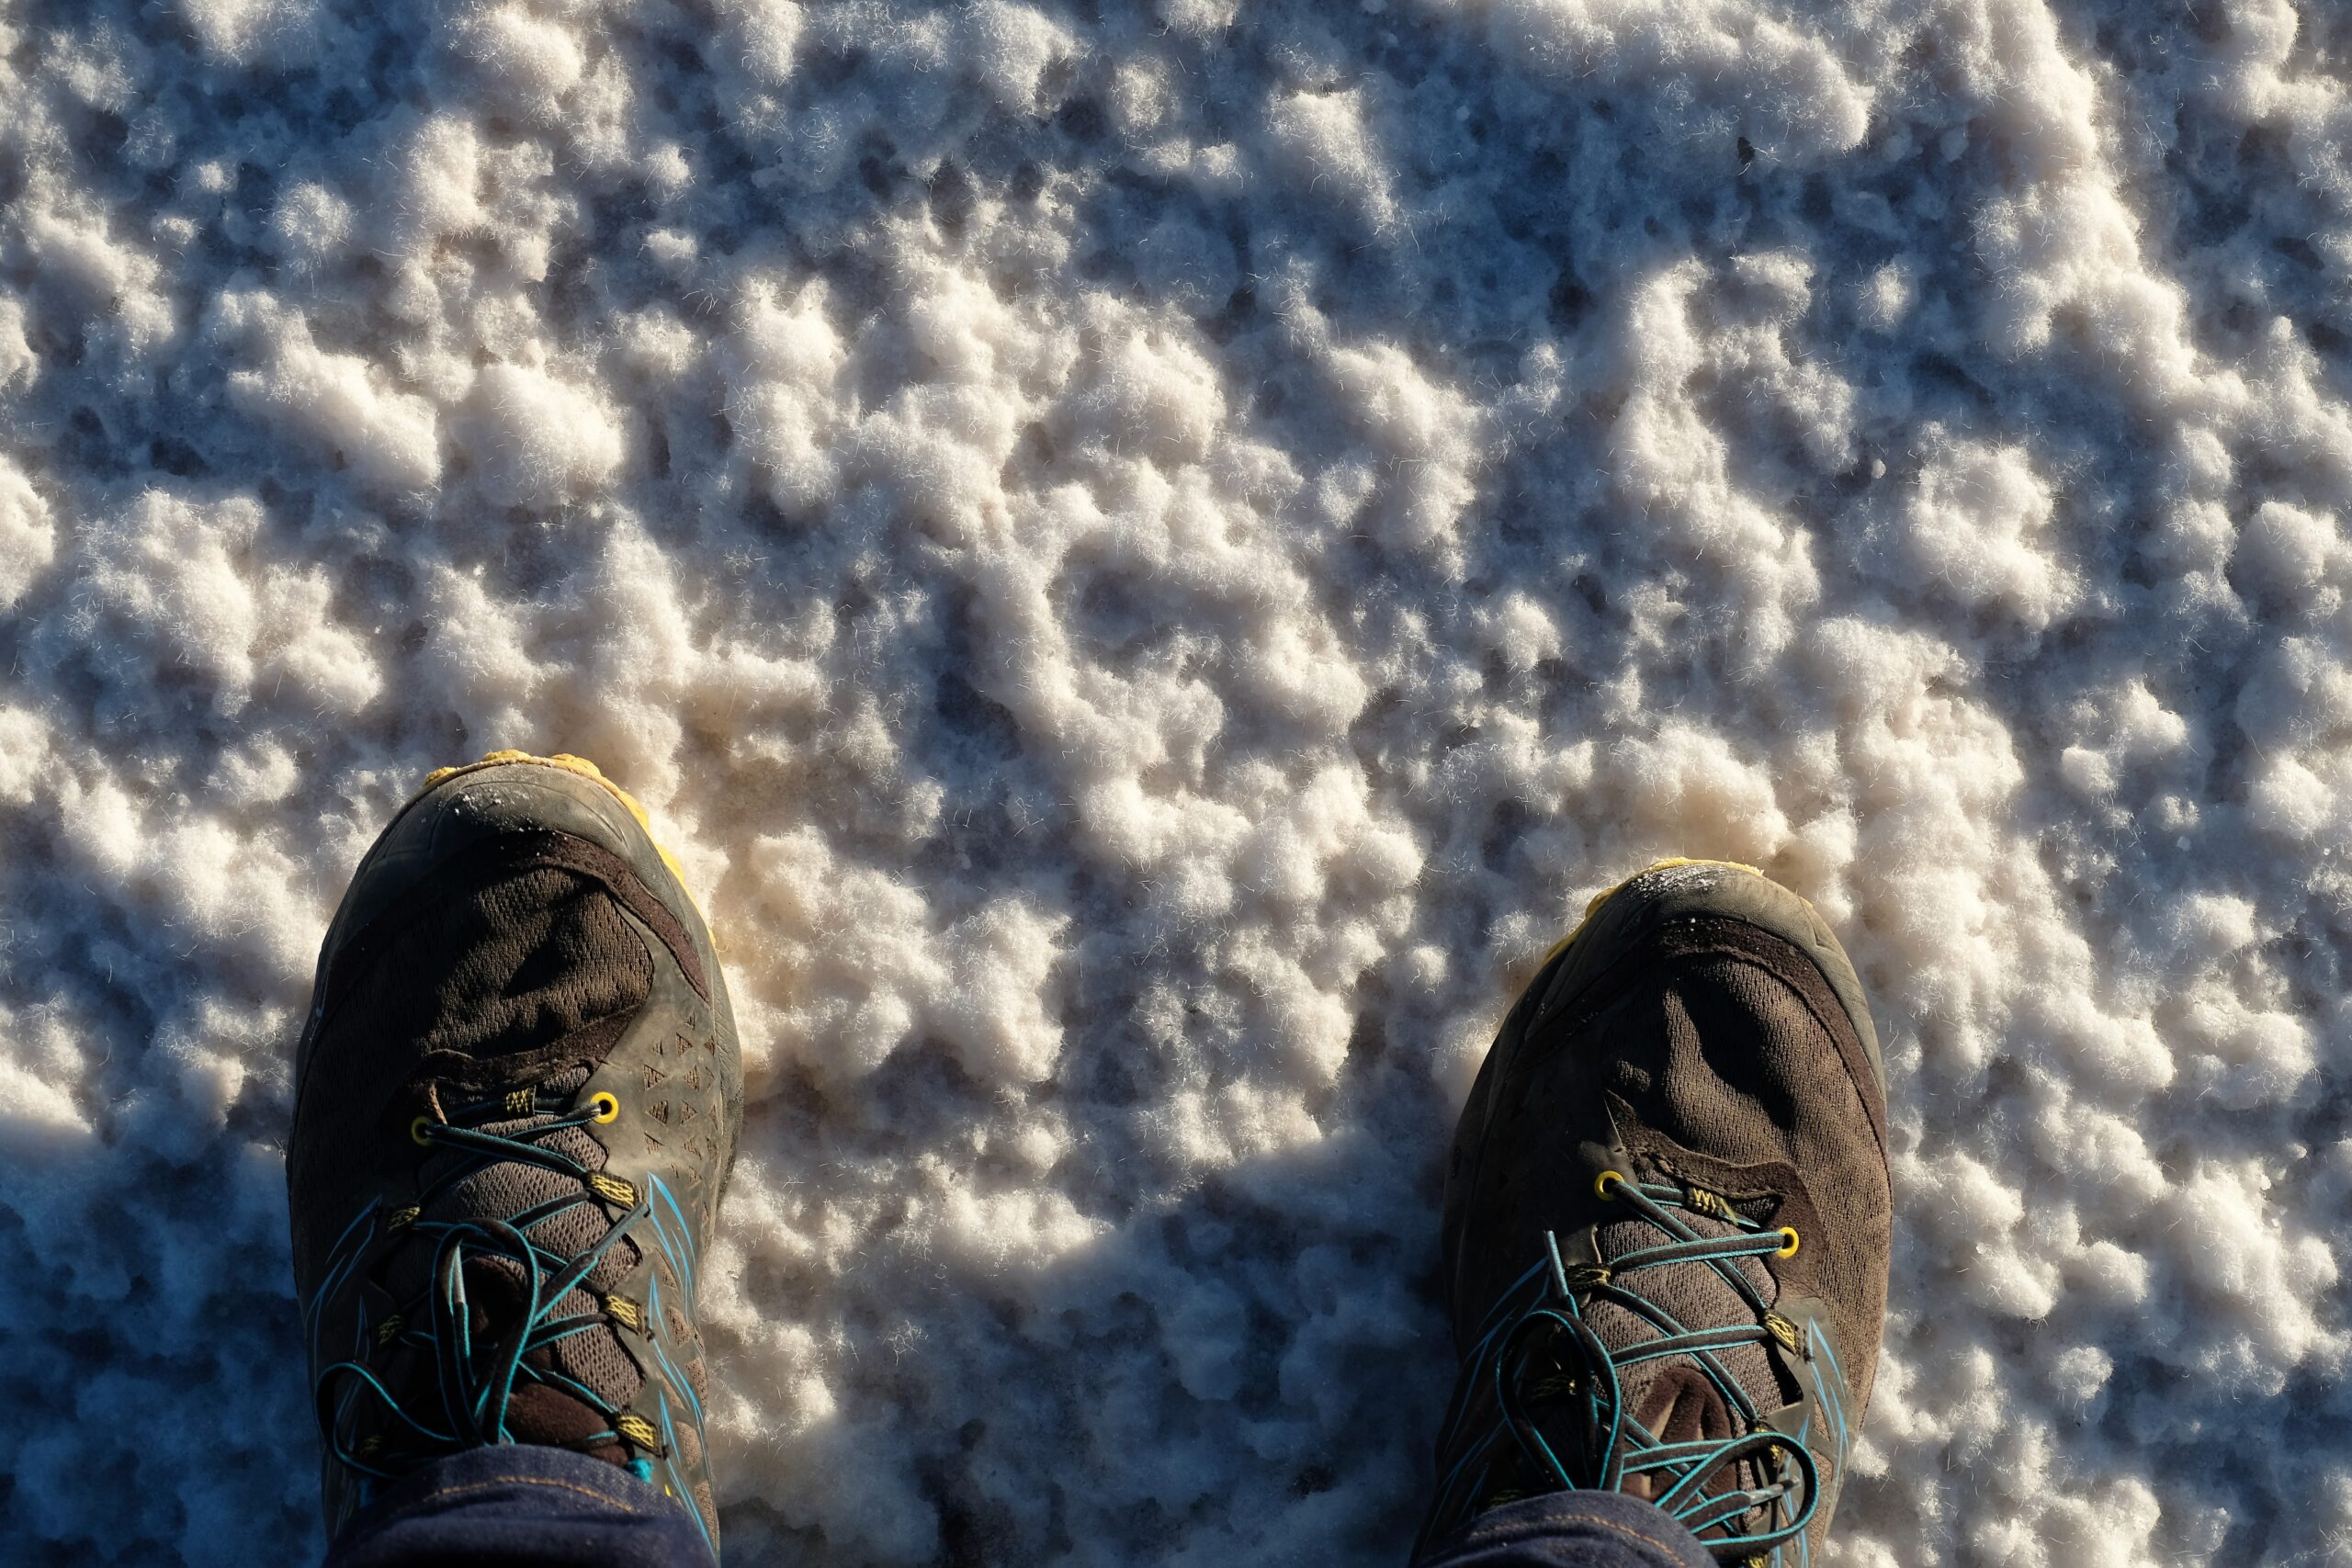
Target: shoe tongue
x,y
1672,1395
1678,1405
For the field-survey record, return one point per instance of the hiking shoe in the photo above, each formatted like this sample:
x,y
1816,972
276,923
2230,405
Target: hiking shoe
x,y
1667,1221
516,1101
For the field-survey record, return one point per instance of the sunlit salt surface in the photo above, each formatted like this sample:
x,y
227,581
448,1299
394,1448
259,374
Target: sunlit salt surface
x,y
1148,559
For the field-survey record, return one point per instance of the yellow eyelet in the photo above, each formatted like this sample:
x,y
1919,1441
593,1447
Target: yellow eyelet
x,y
416,1132
1600,1183
1788,1243
608,1107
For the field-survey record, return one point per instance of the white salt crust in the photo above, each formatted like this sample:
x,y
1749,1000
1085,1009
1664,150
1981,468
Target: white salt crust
x,y
1148,559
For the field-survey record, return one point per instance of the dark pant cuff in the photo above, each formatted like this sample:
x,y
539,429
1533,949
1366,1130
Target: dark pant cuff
x,y
1570,1529
525,1505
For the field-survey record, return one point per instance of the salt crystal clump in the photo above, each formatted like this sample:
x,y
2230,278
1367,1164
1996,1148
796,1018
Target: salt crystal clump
x,y
2300,690
1143,95
245,32
1889,295
2256,1284
18,363
1197,19
784,359
1519,628
1421,431
261,772
529,62
24,754
1672,464
28,538
41,1060
536,438
2122,730
1012,46
1147,393
172,576
310,224
859,966
761,35
234,889
1321,139
2285,550
993,1010
660,347
1795,91
104,277
475,658
433,185
2291,801
339,404
1691,791
1976,529
2212,925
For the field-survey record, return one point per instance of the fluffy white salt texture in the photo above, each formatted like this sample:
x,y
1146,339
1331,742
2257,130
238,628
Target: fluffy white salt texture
x,y
389,438
1973,529
310,225
536,438
528,64
245,32
1148,557
28,536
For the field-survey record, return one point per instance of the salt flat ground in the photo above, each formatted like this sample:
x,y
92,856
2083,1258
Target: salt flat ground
x,y
1150,558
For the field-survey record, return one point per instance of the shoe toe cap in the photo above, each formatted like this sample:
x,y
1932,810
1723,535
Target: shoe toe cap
x,y
1635,911
471,806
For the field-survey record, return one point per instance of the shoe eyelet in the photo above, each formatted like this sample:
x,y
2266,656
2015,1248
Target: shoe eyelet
x,y
1600,1184
416,1132
608,1107
1788,1242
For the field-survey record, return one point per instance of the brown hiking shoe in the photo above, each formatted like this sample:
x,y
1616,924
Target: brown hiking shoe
x,y
1667,1221
517,1100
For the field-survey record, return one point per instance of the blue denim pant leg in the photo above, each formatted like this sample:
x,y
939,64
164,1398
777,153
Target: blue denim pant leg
x,y
1570,1529
526,1506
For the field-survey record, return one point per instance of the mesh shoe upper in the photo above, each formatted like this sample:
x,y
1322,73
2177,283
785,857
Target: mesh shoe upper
x,y
516,1101
1703,1043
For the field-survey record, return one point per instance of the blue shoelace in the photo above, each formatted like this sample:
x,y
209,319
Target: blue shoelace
x,y
475,1380
1585,1386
